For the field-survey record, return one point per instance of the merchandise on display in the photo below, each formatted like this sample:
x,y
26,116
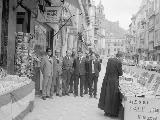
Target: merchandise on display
x,y
132,84
24,58
12,82
3,73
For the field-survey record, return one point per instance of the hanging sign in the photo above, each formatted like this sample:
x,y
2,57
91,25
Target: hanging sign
x,y
137,108
67,22
52,14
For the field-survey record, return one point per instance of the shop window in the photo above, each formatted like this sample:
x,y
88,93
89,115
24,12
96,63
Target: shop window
x,y
23,22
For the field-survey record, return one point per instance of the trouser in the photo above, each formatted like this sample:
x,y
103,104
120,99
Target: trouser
x,y
93,80
76,82
66,81
53,84
46,86
72,82
86,84
36,79
59,85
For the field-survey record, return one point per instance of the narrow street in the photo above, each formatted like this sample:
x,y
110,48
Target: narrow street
x,y
69,107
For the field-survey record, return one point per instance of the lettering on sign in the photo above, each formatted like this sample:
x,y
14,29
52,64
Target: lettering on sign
x,y
137,108
52,14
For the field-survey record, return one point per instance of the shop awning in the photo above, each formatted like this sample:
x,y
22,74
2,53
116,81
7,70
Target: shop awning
x,y
75,3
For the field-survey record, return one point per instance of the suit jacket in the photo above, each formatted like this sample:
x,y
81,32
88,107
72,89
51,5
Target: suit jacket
x,y
97,67
67,65
47,66
87,65
79,67
54,66
59,66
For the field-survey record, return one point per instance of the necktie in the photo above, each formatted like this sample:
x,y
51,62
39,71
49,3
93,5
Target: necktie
x,y
50,59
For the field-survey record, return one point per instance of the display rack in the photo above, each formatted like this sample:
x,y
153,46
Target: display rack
x,y
23,56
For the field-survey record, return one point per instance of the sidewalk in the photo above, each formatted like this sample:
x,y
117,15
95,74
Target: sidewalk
x,y
69,107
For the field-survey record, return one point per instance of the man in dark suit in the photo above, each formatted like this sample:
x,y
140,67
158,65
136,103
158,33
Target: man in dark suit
x,y
94,69
73,56
67,70
80,71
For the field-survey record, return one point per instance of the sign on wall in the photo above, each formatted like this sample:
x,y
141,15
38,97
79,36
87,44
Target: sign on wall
x,y
67,22
52,14
137,108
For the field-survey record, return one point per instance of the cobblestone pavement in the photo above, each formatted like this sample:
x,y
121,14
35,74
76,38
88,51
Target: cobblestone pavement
x,y
69,107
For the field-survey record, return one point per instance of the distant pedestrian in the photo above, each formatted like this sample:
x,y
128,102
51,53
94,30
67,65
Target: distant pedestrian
x,y
110,96
67,70
47,71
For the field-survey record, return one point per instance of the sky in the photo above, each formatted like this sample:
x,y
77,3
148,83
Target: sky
x,y
120,10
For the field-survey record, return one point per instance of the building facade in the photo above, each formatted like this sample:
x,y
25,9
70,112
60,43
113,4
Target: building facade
x,y
114,45
141,30
157,29
100,29
59,33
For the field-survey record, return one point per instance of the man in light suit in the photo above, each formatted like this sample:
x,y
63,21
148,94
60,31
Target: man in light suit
x,y
47,71
54,75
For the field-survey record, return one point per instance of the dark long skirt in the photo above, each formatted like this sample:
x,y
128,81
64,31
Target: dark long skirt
x,y
110,97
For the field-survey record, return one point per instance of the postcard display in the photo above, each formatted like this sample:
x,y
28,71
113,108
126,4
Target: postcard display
x,y
24,55
141,93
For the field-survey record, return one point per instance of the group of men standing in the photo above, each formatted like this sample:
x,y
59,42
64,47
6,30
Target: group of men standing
x,y
64,75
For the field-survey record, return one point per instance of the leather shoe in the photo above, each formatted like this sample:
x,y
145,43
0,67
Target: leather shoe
x,y
67,94
70,91
95,97
51,97
44,98
75,95
81,95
